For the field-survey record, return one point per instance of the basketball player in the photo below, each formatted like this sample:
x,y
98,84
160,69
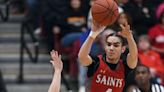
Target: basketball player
x,y
58,66
108,71
143,83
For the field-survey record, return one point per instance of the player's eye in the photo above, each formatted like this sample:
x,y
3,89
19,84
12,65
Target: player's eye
x,y
109,44
116,45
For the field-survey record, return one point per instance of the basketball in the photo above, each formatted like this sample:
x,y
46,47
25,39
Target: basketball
x,y
104,12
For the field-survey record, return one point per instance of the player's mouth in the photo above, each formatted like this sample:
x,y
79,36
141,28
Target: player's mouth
x,y
111,53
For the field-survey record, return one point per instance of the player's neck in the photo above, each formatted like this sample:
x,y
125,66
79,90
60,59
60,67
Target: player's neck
x,y
112,61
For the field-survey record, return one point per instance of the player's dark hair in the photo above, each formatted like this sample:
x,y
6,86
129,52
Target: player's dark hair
x,y
123,40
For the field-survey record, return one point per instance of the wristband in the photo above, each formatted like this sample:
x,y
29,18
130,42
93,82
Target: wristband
x,y
93,34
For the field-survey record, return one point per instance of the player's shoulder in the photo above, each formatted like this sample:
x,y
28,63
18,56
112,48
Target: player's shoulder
x,y
97,58
95,61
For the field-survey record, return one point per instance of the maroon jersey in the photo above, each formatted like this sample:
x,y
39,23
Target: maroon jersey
x,y
107,80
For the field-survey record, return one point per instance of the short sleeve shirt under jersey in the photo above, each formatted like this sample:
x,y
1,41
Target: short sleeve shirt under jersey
x,y
95,64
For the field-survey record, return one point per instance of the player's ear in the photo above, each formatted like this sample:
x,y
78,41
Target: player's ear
x,y
123,49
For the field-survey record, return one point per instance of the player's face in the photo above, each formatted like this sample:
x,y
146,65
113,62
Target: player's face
x,y
113,48
142,75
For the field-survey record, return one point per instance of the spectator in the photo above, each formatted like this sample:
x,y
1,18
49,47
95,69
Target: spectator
x,y
144,16
75,22
159,10
32,14
150,58
53,14
76,17
143,81
17,6
156,34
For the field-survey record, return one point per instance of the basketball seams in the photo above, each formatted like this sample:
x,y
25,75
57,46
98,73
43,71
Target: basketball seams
x,y
107,15
112,18
100,11
114,11
113,7
101,5
110,12
108,4
110,9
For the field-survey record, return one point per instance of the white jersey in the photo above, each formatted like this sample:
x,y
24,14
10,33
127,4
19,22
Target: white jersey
x,y
154,88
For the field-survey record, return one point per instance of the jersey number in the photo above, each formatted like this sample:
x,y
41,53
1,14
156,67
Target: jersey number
x,y
109,90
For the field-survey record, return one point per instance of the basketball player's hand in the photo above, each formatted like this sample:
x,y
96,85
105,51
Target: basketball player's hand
x,y
96,29
125,30
56,61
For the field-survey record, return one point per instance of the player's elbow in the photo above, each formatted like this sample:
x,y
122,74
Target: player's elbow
x,y
83,60
81,56
133,64
132,61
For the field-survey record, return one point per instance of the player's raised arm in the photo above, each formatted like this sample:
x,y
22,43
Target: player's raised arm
x,y
83,55
58,66
132,57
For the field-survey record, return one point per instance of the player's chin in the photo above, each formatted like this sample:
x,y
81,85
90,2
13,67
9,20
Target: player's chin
x,y
111,56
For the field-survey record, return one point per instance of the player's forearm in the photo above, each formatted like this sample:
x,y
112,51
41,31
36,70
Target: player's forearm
x,y
133,52
56,82
85,50
86,47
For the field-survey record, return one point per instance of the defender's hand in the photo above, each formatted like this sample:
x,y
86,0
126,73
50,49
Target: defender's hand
x,y
56,61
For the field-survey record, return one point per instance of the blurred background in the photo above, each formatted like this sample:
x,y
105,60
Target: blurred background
x,y
30,29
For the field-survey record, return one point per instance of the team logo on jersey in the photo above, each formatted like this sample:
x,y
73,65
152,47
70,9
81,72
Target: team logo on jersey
x,y
109,81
